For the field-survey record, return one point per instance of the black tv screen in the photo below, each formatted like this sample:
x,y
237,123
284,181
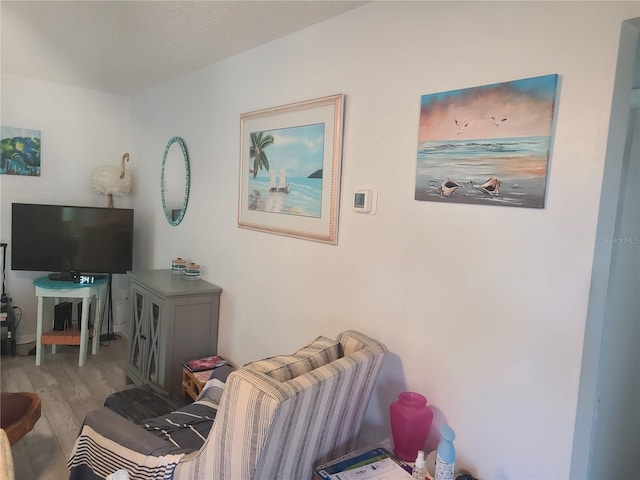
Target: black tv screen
x,y
57,238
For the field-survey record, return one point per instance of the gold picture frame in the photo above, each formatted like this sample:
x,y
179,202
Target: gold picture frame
x,y
290,166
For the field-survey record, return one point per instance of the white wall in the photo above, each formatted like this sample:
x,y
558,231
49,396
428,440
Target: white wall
x,y
80,129
483,308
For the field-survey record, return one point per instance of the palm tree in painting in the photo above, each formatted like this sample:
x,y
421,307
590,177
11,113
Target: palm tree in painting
x,y
259,141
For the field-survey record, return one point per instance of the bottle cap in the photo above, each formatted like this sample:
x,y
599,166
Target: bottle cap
x,y
420,462
447,432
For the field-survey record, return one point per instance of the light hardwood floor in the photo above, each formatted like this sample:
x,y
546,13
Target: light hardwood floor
x,y
68,392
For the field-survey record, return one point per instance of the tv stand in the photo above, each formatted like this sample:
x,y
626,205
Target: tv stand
x,y
46,288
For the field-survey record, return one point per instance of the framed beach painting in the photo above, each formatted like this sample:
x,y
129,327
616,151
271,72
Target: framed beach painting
x,y
487,145
19,151
290,162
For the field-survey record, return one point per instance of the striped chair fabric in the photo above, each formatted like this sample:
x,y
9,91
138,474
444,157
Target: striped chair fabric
x,y
277,419
285,367
268,429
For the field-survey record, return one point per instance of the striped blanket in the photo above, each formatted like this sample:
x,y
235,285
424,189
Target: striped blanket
x,y
152,450
186,428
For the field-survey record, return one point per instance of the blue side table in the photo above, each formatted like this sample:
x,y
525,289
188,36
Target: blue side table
x,y
46,288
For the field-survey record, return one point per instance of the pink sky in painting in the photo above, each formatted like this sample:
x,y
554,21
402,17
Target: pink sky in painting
x,y
527,114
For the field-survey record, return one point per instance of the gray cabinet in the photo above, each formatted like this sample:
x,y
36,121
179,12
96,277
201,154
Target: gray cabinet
x,y
172,320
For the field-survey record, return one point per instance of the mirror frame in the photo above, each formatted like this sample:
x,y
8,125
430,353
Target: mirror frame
x,y
187,179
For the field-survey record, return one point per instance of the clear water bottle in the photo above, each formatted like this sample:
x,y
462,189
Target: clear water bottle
x,y
446,454
419,471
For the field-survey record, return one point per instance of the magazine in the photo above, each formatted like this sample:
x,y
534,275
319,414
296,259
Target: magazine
x,y
206,363
349,462
385,469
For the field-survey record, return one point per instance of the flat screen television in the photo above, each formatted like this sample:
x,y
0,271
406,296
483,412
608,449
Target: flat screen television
x,y
70,240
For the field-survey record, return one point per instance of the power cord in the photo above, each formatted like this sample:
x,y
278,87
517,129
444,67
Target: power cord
x,y
108,312
19,318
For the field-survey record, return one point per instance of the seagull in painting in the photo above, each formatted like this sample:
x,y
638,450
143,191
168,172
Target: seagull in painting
x,y
459,127
498,122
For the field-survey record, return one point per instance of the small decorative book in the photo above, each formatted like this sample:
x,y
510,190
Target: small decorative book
x,y
206,363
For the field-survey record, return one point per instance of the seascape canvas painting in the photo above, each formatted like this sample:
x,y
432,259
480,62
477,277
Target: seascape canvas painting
x,y
285,172
19,151
487,145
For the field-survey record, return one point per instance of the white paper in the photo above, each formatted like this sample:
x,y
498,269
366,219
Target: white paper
x,y
385,469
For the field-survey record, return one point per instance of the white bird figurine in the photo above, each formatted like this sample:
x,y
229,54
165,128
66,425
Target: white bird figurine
x,y
111,180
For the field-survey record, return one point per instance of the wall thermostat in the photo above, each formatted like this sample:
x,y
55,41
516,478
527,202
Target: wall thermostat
x,y
364,201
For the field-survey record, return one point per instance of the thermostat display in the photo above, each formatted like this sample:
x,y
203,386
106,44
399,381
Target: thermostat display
x,y
364,201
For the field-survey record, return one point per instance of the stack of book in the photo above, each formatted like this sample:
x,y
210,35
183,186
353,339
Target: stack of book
x,y
370,464
205,363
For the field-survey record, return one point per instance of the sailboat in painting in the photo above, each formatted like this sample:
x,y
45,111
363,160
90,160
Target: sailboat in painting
x,y
280,183
283,185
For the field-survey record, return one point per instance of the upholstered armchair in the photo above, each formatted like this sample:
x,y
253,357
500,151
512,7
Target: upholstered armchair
x,y
274,419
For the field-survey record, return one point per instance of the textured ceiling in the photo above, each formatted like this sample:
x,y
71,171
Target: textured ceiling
x,y
128,46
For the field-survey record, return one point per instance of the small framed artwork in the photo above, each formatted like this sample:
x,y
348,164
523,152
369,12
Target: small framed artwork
x,y
290,164
19,151
487,145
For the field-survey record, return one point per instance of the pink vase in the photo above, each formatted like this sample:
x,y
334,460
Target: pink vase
x,y
410,423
